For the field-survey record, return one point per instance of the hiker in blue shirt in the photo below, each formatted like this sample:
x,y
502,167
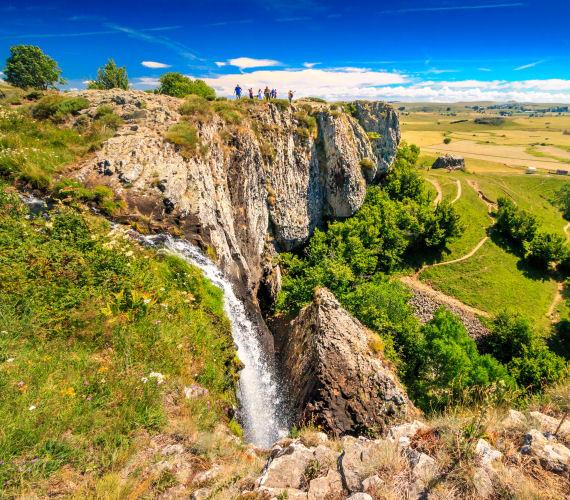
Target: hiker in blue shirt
x,y
238,91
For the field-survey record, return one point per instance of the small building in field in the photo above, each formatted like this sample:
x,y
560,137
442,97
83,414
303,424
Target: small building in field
x,y
531,170
450,162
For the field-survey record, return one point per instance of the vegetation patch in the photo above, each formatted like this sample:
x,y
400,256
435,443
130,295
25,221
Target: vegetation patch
x,y
57,107
185,136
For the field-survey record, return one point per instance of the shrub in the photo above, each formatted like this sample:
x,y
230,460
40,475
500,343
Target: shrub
x,y
110,76
196,107
314,99
57,107
185,136
267,150
537,368
281,104
545,248
367,164
373,136
228,111
110,121
514,223
510,334
562,199
28,66
103,110
178,85
306,120
447,140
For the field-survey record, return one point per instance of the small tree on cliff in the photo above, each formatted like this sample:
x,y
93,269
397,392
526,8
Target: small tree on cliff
x,y
178,85
110,76
28,66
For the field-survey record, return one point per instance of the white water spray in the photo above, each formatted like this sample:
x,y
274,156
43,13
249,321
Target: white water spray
x,y
262,404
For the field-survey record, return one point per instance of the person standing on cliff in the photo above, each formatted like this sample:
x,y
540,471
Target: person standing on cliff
x,y
267,93
260,95
237,91
290,95
250,93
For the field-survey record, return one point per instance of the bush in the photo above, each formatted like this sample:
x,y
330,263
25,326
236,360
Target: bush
x,y
562,199
57,107
367,164
545,248
196,107
185,136
178,85
28,66
228,111
447,140
373,136
514,223
307,121
110,76
103,110
537,368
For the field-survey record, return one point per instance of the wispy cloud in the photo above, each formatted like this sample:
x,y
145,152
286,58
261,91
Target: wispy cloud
x,y
484,69
248,62
529,65
154,64
437,8
292,19
437,71
140,34
87,33
310,64
228,23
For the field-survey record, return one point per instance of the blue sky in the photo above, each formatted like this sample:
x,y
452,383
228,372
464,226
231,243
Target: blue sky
x,y
412,50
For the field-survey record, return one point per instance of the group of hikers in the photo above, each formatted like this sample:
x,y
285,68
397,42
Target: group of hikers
x,y
266,94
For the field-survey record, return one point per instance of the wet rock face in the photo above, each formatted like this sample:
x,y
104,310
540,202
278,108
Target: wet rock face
x,y
337,381
252,189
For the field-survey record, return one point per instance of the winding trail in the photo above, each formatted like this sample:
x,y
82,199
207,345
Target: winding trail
x,y
459,191
566,229
460,259
437,187
414,283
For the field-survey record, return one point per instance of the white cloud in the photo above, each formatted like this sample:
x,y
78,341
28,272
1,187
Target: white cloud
x,y
484,69
332,84
310,64
529,65
146,81
219,64
249,62
437,71
347,84
154,64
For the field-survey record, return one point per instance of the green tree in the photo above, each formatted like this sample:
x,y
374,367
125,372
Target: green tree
x,y
563,199
178,85
28,67
516,224
545,248
110,76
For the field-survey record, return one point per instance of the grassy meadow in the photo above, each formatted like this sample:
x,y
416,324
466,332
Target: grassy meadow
x,y
494,279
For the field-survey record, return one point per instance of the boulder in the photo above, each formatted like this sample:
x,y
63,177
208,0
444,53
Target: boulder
x,y
329,486
547,423
553,455
450,161
486,453
514,419
337,381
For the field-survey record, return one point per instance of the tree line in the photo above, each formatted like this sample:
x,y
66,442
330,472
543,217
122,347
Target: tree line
x,y
28,67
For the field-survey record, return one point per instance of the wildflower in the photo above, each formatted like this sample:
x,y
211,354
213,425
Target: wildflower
x,y
10,360
129,253
32,407
144,380
160,378
68,392
146,301
103,369
22,386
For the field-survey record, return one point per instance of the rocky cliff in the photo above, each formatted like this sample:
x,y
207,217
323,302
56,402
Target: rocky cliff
x,y
263,177
338,376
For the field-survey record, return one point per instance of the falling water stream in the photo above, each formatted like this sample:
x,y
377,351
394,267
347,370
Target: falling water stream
x,y
262,403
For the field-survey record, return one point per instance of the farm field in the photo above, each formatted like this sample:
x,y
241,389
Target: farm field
x,y
519,141
478,269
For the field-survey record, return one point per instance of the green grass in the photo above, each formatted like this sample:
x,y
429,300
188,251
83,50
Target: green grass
x,y
530,192
495,280
85,317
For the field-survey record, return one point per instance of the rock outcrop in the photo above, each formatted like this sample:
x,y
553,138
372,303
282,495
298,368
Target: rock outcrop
x,y
337,380
258,183
450,162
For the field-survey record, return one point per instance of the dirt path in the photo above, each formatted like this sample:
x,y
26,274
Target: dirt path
x,y
437,187
416,284
491,205
460,259
558,298
566,229
459,191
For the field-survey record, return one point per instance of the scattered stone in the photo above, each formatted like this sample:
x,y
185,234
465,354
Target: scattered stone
x,y
449,161
194,391
423,466
336,381
207,476
486,453
513,419
329,486
173,449
201,494
360,496
550,424
403,433
372,484
553,456
483,483
425,306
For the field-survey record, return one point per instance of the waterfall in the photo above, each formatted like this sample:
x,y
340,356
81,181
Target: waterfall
x,y
262,402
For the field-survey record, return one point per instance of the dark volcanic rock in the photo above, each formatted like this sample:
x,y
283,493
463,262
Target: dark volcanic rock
x,y
449,161
337,380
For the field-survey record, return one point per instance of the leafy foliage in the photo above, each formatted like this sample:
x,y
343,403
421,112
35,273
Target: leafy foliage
x,y
514,223
110,76
29,67
178,85
545,248
57,107
563,199
94,333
